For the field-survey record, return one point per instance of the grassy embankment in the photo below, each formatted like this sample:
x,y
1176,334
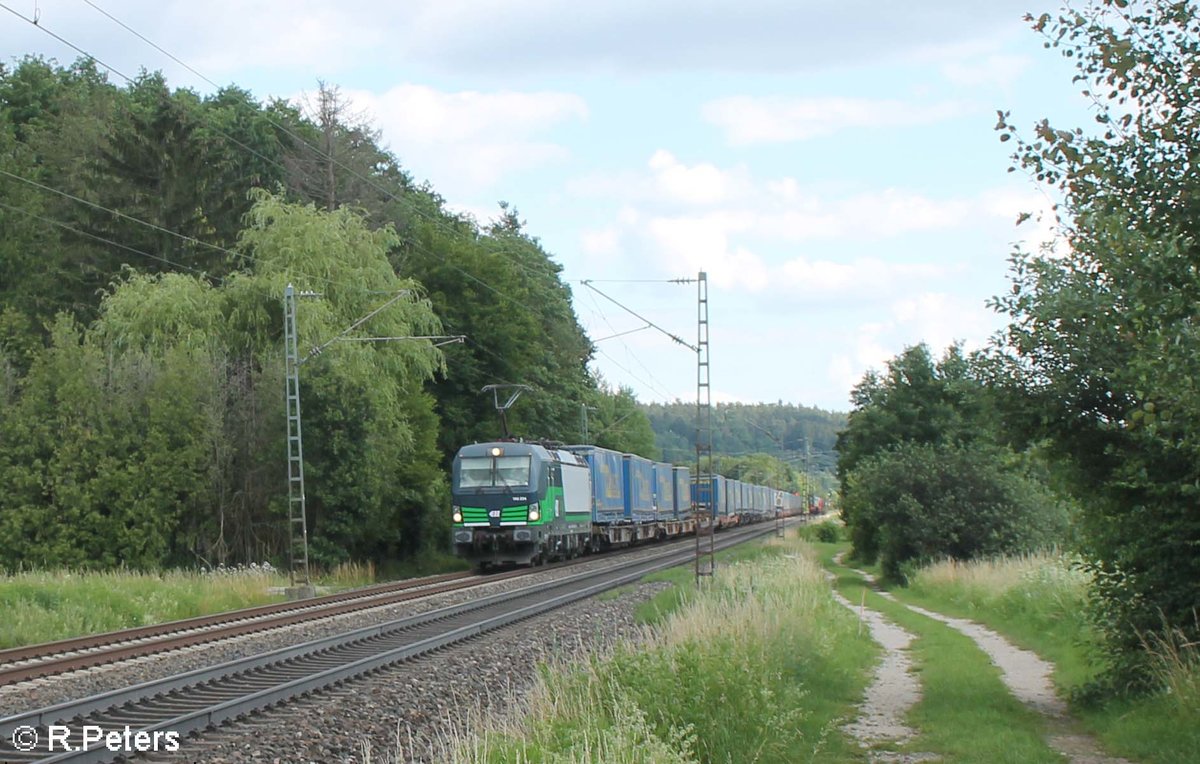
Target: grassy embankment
x,y
1039,603
49,605
760,665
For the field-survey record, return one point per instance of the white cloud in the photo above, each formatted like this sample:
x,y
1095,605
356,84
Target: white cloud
x,y
680,218
687,244
796,216
667,180
733,201
938,319
600,242
996,70
1038,228
226,36
692,244
862,277
672,35
469,140
702,183
420,114
753,120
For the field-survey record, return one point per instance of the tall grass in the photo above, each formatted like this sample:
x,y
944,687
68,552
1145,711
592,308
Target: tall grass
x,y
347,575
48,605
1040,601
1176,665
758,666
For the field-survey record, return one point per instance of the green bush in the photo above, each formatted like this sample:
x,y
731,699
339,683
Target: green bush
x,y
829,533
920,502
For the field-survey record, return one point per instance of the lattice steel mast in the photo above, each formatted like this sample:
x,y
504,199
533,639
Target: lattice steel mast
x,y
704,444
297,522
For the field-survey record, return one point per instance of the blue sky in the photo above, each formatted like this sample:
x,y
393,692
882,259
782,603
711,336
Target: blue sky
x,y
831,165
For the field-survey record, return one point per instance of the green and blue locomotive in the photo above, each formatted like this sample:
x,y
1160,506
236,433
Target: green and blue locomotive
x,y
520,503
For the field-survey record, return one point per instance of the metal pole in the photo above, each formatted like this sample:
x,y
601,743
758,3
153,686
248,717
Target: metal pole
x,y
298,568
583,414
704,444
807,481
298,571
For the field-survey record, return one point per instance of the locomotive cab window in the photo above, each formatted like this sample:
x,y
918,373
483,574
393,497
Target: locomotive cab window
x,y
493,471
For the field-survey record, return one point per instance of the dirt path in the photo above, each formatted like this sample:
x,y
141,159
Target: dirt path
x,y
894,690
1028,678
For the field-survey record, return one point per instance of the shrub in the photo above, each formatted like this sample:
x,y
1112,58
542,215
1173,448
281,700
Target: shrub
x,y
919,502
830,533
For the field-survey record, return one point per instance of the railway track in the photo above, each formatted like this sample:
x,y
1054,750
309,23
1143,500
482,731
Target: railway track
x,y
49,658
46,659
199,699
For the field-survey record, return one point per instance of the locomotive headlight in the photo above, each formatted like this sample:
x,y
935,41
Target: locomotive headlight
x,y
533,512
457,516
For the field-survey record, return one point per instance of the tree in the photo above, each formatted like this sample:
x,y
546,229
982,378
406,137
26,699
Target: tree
x,y
501,290
916,401
917,502
155,435
54,121
1102,355
924,471
620,424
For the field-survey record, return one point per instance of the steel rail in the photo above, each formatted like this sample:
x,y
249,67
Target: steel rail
x,y
42,649
48,658
301,669
51,658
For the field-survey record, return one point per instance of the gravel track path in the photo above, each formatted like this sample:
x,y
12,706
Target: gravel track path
x,y
1027,677
894,689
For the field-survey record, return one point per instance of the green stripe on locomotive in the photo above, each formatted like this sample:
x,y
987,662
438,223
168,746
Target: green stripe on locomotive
x,y
511,502
477,517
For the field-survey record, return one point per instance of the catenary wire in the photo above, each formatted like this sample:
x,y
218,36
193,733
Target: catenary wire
x,y
387,192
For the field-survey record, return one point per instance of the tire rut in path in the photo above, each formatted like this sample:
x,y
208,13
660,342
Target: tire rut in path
x,y
893,691
1027,677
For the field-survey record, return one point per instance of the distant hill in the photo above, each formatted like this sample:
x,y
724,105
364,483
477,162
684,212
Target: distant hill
x,y
778,429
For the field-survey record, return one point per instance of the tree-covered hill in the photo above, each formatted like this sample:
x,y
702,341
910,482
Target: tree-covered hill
x,y
785,431
147,236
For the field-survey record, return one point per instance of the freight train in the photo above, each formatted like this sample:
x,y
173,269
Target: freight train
x,y
527,503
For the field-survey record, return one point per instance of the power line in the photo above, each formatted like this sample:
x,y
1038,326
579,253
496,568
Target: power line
x,y
665,396
183,237
131,218
638,281
386,192
622,334
125,247
69,44
324,154
94,205
634,356
587,283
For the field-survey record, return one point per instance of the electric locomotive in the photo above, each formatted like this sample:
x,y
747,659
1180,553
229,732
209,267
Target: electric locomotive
x,y
520,503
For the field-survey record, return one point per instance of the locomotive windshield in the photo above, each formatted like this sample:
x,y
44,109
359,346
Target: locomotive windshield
x,y
493,471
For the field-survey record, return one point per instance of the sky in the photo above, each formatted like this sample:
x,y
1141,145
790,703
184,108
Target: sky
x,y
831,165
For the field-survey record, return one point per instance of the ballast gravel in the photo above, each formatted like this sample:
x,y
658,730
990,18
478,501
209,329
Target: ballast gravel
x,y
39,693
415,711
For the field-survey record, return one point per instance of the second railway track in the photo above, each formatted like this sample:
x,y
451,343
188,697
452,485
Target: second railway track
x,y
47,659
210,696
